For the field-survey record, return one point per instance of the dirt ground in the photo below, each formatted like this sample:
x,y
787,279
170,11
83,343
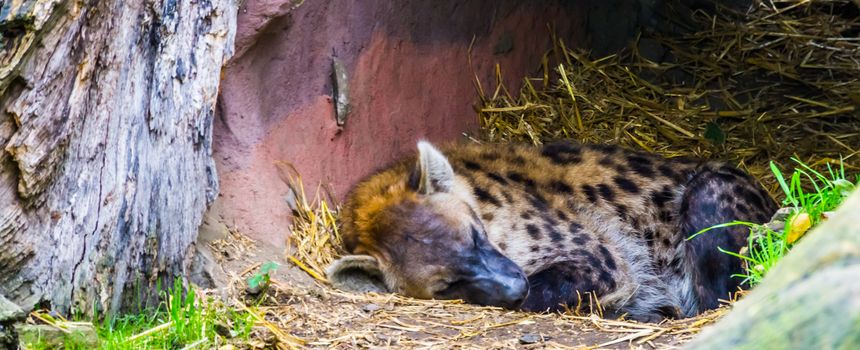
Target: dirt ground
x,y
303,312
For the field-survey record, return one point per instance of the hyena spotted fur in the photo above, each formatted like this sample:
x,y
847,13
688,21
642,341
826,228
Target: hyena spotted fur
x,y
536,228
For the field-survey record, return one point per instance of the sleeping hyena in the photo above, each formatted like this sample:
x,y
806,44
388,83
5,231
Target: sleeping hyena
x,y
537,228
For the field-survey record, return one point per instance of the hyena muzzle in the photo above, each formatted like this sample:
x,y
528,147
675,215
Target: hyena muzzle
x,y
538,228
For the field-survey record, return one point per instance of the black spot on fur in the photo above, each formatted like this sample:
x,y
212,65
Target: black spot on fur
x,y
538,201
549,220
485,196
525,215
534,249
487,216
743,208
554,235
589,193
497,178
641,165
606,161
533,231
518,160
607,258
637,158
666,216
648,234
503,246
621,210
667,171
626,184
588,257
508,197
753,198
574,228
562,153
472,165
666,242
579,240
561,187
561,215
660,198
604,148
607,279
520,178
606,192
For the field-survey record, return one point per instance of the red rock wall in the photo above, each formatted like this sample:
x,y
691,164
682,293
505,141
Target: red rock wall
x,y
409,79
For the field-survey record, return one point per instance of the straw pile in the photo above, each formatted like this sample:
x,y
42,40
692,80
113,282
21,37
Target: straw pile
x,y
780,80
293,316
319,316
315,237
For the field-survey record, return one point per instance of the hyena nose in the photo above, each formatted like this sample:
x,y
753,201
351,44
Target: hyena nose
x,y
515,290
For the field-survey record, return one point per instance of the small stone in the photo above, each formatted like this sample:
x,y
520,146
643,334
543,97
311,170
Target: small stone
x,y
776,226
370,307
254,290
530,338
783,213
227,347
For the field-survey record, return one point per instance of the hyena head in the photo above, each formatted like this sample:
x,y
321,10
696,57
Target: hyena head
x,y
420,236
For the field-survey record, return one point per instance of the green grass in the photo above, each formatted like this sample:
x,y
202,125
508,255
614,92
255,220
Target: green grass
x,y
808,192
180,320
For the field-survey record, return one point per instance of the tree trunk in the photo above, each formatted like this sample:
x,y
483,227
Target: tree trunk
x,y
106,111
810,300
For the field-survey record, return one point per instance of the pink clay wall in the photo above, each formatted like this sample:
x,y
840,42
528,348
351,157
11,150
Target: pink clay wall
x,y
409,79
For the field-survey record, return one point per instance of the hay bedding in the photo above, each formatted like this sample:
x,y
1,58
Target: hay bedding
x,y
317,316
780,80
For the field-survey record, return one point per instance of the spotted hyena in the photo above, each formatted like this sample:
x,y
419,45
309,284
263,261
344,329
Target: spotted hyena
x,y
536,228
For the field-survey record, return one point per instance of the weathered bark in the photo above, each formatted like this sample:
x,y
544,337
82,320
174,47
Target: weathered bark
x,y
810,300
106,112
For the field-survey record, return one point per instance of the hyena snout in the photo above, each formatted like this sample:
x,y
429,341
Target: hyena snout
x,y
496,281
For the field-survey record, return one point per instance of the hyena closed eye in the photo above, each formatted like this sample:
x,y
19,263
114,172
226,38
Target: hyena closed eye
x,y
536,228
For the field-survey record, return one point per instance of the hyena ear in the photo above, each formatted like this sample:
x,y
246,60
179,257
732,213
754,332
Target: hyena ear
x,y
357,273
432,173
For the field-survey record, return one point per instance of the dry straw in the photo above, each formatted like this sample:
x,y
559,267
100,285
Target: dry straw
x,y
780,80
315,237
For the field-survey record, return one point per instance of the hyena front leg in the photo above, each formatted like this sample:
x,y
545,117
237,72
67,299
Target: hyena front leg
x,y
576,283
